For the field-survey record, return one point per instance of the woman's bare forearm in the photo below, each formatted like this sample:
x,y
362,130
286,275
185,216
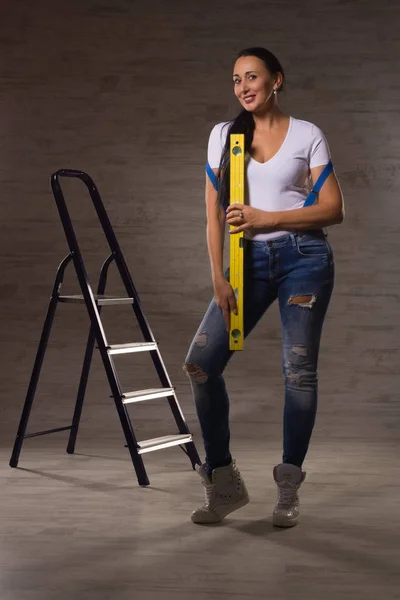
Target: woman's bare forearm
x,y
215,243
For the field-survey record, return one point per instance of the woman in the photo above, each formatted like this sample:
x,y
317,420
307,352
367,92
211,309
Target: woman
x,y
287,257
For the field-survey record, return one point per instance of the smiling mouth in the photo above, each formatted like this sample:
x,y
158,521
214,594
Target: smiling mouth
x,y
249,99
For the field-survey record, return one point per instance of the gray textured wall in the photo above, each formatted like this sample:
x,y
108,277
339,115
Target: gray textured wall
x,y
128,91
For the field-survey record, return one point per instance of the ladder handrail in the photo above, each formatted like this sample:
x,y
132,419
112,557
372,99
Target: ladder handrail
x,y
103,218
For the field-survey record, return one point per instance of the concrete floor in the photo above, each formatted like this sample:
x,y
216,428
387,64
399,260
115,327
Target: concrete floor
x,y
80,527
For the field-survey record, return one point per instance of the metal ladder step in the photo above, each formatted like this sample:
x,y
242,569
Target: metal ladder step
x,y
147,395
164,442
127,348
101,300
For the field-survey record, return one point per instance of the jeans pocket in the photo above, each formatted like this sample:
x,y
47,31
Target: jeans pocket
x,y
310,246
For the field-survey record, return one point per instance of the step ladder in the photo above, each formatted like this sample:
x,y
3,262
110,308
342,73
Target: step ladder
x,y
94,304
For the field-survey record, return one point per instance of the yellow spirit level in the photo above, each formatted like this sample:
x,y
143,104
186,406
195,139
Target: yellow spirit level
x,y
236,333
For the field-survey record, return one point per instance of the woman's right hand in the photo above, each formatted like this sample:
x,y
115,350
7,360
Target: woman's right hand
x,y
225,299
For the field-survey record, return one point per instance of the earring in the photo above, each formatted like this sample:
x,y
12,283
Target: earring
x,y
275,91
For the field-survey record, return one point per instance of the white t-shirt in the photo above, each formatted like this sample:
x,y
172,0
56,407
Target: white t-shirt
x,y
283,182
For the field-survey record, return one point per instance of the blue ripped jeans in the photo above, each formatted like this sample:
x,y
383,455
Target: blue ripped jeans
x,y
286,268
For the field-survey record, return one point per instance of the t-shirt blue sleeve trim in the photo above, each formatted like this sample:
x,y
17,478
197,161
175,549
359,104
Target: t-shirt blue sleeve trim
x,y
318,185
212,176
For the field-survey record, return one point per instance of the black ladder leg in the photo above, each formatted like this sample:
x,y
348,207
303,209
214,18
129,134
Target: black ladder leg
x,y
189,448
38,362
192,453
81,390
130,437
87,361
33,381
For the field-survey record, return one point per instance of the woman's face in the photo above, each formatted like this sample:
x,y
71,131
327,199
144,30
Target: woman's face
x,y
253,84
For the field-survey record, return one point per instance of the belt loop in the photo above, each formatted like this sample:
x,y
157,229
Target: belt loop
x,y
293,238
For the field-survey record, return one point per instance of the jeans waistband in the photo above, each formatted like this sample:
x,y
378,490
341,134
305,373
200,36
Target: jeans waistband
x,y
282,240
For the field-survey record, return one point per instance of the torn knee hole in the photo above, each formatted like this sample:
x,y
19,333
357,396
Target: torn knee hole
x,y
301,378
299,350
195,373
292,377
306,301
201,339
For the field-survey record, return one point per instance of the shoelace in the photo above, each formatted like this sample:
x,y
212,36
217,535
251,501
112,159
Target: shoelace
x,y
287,496
208,490
209,487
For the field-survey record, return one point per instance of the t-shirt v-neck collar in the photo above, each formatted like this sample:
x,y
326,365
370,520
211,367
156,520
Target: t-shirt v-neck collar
x,y
278,151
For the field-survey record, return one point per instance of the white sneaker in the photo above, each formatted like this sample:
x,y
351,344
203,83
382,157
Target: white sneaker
x,y
288,479
225,493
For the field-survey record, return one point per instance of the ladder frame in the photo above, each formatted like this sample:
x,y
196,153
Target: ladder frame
x,y
97,334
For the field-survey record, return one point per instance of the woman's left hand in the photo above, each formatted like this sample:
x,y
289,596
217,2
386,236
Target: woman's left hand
x,y
244,217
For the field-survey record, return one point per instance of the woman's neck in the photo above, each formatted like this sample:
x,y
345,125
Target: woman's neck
x,y
270,118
